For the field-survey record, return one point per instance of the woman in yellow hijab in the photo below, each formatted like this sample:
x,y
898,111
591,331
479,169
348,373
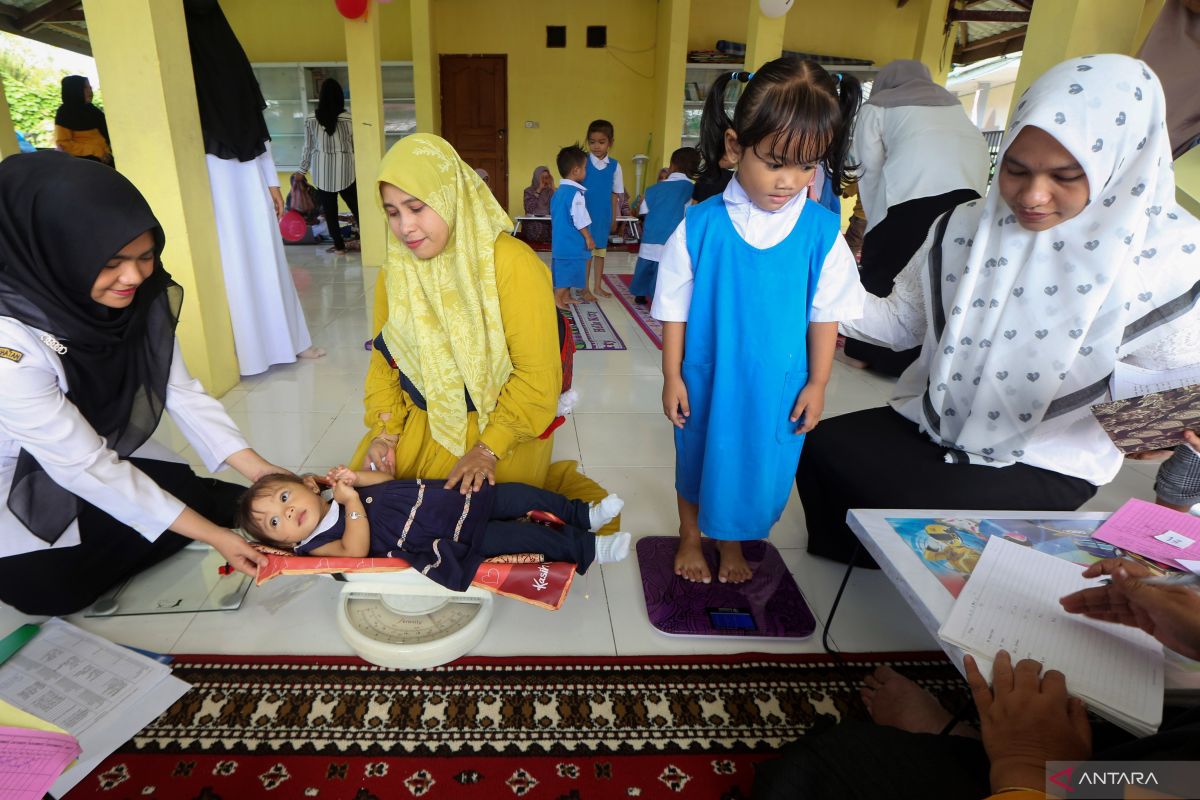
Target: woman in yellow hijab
x,y
466,372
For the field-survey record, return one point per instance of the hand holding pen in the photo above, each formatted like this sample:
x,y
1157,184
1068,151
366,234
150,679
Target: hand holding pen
x,y
1166,608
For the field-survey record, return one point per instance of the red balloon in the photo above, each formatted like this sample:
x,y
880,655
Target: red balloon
x,y
351,9
292,226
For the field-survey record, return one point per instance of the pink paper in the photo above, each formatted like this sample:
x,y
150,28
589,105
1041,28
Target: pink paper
x,y
1135,524
31,761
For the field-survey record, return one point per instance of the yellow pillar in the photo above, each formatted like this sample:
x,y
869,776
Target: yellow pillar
x,y
764,37
1150,12
670,74
366,110
1068,28
1187,180
935,44
426,84
154,124
8,135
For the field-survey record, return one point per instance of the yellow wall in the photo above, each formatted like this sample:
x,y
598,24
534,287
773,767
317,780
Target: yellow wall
x,y
871,29
561,89
311,30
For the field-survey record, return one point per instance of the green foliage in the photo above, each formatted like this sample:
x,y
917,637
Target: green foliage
x,y
32,106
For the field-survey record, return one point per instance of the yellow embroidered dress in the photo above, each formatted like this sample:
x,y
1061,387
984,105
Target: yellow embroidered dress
x,y
478,315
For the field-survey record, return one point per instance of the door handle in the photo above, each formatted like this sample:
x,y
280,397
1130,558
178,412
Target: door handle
x,y
500,134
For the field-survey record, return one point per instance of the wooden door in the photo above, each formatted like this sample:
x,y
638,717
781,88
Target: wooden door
x,y
475,115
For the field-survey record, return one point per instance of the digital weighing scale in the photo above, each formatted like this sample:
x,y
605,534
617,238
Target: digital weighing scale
x,y
403,620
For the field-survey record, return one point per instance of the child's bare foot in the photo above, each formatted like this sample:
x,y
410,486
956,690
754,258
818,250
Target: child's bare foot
x,y
690,563
600,290
312,352
894,700
734,568
587,296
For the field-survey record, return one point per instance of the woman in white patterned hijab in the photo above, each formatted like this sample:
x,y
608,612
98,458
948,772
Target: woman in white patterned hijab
x,y
1040,306
1024,302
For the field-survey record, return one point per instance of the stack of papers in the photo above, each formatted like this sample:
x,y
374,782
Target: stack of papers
x,y
1169,537
99,692
1011,603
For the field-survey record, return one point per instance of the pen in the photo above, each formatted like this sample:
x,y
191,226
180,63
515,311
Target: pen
x,y
1187,579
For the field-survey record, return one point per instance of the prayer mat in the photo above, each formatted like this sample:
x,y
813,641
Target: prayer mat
x,y
641,314
591,329
558,728
768,605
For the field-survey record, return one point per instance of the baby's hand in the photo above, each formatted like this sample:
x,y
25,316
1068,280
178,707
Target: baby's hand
x,y
343,492
342,473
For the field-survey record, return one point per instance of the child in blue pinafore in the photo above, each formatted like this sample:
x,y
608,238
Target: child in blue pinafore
x,y
605,184
750,289
663,209
570,241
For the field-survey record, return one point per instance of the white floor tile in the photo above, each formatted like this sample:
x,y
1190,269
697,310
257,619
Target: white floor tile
x,y
283,437
269,621
580,628
338,443
625,440
619,393
872,615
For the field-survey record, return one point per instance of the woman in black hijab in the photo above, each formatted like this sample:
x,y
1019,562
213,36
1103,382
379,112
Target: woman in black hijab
x,y
268,322
79,127
89,361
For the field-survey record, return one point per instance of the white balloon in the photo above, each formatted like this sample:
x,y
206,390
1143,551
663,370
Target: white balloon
x,y
775,8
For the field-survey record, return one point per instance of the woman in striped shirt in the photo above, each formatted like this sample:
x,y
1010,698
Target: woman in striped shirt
x,y
329,150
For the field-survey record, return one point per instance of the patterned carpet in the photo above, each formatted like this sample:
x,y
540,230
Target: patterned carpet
x,y
619,284
556,728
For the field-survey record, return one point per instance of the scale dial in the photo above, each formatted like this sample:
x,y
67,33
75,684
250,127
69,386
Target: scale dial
x,y
412,631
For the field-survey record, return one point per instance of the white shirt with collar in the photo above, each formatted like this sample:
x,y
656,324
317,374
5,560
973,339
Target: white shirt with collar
x,y
36,416
618,176
653,252
839,294
580,217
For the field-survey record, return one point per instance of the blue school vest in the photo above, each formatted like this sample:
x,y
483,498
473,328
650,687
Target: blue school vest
x,y
566,241
745,361
599,183
667,200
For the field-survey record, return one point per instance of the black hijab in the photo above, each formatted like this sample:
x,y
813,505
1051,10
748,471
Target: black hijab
x,y
53,246
331,103
78,114
230,101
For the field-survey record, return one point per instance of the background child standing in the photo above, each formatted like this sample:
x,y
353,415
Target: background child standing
x,y
750,288
604,183
663,208
570,241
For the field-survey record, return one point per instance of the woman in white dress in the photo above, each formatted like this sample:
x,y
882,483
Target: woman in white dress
x,y
268,322
89,362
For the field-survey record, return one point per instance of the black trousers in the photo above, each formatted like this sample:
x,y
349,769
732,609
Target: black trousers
x,y
863,761
504,535
878,459
887,249
329,206
65,580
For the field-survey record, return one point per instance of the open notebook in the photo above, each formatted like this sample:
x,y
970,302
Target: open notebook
x,y
1011,603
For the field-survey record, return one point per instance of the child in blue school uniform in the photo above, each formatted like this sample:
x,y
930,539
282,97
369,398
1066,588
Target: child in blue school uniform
x,y
605,185
750,289
663,209
570,240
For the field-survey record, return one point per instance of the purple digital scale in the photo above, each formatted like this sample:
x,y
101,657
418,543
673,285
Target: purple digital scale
x,y
769,605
